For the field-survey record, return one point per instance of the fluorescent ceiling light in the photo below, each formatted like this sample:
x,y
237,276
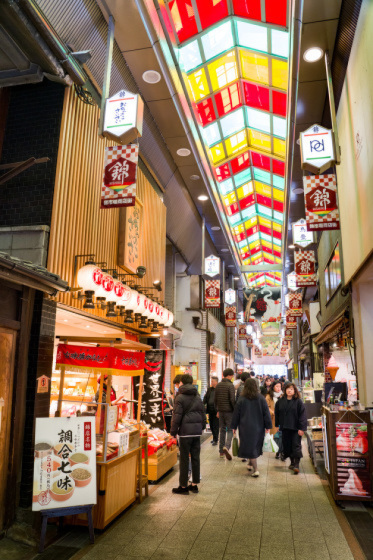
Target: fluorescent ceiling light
x,y
215,228
313,54
203,197
183,152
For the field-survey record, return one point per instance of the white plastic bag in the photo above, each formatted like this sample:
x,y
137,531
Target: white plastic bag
x,y
267,446
274,445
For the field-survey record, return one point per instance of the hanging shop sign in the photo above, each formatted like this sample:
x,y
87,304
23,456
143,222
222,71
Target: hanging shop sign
x,y
123,118
111,361
212,293
295,304
230,316
305,268
270,345
263,304
317,149
119,180
353,467
43,384
242,332
320,197
257,352
152,402
230,296
291,320
292,281
301,236
288,335
64,463
212,266
249,341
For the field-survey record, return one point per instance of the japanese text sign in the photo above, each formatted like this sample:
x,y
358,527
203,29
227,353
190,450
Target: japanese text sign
x,y
212,266
123,117
320,197
242,332
64,463
230,316
119,180
102,359
152,402
288,335
301,236
230,296
249,341
212,293
295,304
291,320
305,268
317,149
292,281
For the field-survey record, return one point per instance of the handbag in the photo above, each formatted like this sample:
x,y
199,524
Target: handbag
x,y
267,444
235,447
274,445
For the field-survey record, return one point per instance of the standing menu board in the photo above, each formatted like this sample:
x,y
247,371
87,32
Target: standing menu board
x,y
64,463
353,468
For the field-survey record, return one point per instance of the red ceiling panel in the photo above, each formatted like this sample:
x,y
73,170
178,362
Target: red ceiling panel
x,y
239,237
211,11
263,162
276,234
182,14
247,8
241,162
205,112
256,96
245,255
246,202
277,205
222,172
266,230
279,167
276,12
232,209
228,99
279,101
252,230
265,200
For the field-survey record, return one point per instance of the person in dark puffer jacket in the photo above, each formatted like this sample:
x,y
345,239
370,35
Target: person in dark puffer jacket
x,y
188,422
225,401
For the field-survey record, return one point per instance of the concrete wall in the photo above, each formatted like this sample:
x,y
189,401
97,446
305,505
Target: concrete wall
x,y
188,349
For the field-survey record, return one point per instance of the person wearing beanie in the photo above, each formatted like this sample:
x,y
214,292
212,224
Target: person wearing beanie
x,y
188,422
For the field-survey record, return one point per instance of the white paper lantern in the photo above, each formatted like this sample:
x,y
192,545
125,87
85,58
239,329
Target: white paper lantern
x,y
162,315
118,292
132,302
106,288
90,277
126,296
170,319
156,313
146,313
140,304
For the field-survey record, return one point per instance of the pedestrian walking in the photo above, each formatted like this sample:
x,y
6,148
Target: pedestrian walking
x,y
252,417
272,397
290,417
188,422
244,375
209,402
224,403
266,386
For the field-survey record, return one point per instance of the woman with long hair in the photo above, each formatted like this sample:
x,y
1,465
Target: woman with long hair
x,y
251,416
266,386
272,397
290,417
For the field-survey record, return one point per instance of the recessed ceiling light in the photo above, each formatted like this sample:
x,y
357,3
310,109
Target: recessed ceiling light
x,y
183,152
224,250
151,77
195,177
215,228
65,320
298,190
313,54
87,327
236,277
203,197
291,247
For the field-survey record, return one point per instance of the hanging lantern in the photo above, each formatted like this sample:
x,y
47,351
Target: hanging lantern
x,y
130,306
114,298
90,279
104,290
170,319
155,315
162,315
126,295
140,308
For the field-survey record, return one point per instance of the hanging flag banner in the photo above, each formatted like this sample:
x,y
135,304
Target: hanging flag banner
x,y
270,345
295,304
103,359
152,402
249,341
305,268
230,296
301,236
317,149
288,336
230,316
123,117
320,197
291,320
257,352
119,180
242,332
212,266
212,293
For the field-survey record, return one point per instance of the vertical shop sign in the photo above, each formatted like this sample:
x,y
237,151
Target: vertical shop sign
x,y
257,352
353,469
320,197
119,180
292,281
242,332
64,463
305,268
230,316
230,297
317,149
295,304
153,401
212,293
301,236
43,384
249,341
123,118
291,320
212,266
288,335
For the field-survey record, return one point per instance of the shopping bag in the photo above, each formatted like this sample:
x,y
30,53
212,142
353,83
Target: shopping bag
x,y
235,447
267,443
274,445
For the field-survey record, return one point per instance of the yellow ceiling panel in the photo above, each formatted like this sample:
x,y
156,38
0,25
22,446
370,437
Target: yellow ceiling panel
x,y
279,74
236,143
198,84
254,67
278,195
263,189
259,140
279,147
223,71
217,153
245,190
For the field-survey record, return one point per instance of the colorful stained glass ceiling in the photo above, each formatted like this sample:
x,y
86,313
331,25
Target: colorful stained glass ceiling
x,y
234,59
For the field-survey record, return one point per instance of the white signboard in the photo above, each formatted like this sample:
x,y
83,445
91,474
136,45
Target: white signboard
x,y
123,117
64,463
212,266
301,236
230,296
317,149
292,281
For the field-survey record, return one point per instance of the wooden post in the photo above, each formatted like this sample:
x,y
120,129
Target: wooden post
x,y
60,395
140,398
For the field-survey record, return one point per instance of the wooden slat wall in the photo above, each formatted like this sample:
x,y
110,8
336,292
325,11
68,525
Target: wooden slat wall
x,y
79,226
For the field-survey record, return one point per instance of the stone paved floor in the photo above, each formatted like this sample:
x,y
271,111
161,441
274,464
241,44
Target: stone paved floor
x,y
278,516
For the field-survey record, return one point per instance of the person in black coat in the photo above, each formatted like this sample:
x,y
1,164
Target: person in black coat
x,y
290,417
209,402
252,417
188,422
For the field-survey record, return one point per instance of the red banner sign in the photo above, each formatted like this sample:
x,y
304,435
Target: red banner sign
x,y
305,268
212,293
288,334
291,320
242,332
320,196
230,316
249,341
119,180
111,361
295,304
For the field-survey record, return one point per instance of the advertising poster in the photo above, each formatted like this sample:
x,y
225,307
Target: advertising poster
x,y
212,293
353,459
320,197
230,316
305,268
119,180
270,345
263,304
212,266
301,236
64,463
242,332
153,389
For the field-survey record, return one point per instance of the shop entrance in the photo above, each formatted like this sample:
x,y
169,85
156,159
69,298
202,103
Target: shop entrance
x,y
8,338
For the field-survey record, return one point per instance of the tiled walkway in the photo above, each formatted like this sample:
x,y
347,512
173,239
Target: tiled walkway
x,y
278,516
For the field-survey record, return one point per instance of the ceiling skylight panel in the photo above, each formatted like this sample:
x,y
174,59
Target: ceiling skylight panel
x,y
223,71
211,11
233,122
236,143
280,43
189,56
218,40
242,177
278,216
217,153
279,147
252,36
198,84
254,67
256,96
205,111
258,120
278,182
250,9
228,99
279,74
226,186
259,140
276,12
211,134
182,14
279,127
245,190
279,101
261,175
